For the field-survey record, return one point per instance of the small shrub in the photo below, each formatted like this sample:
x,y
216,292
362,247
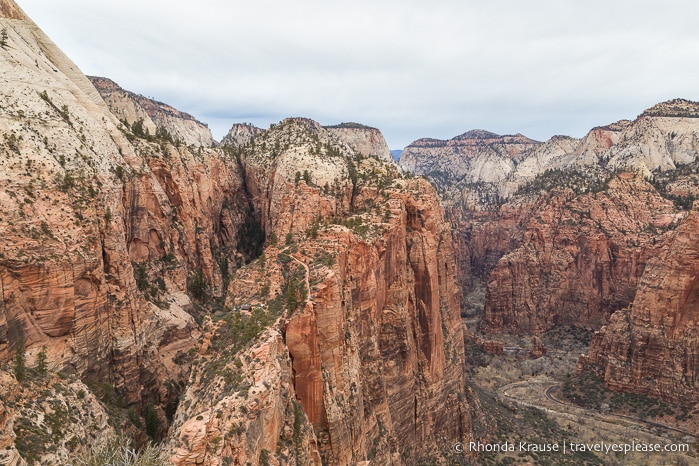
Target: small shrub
x,y
116,450
152,422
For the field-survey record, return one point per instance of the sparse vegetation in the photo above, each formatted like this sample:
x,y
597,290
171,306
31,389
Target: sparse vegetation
x,y
680,185
298,425
119,172
237,330
41,362
589,391
116,450
12,142
63,111
579,182
150,415
198,286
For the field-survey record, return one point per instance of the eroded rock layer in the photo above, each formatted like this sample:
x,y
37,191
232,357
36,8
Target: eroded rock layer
x,y
104,233
650,347
288,297
363,263
154,118
580,259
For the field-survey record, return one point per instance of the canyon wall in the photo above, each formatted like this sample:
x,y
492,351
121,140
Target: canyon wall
x,y
373,342
580,259
559,236
288,296
650,347
104,232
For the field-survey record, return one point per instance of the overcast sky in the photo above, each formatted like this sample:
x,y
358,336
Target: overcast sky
x,y
410,68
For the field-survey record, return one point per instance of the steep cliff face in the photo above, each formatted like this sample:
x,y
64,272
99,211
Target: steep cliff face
x,y
650,347
366,304
501,223
240,134
156,116
105,234
340,344
363,139
581,258
387,360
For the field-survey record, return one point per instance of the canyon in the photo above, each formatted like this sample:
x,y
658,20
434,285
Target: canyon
x,y
592,233
291,295
288,296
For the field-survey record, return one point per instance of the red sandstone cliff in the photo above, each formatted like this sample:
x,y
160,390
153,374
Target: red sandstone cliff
x,y
104,233
373,344
114,243
580,260
650,347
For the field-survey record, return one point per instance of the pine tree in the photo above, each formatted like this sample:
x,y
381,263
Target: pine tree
x,y
20,361
41,364
3,37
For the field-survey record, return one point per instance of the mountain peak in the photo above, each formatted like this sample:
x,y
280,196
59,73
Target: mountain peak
x,y
478,134
676,108
348,125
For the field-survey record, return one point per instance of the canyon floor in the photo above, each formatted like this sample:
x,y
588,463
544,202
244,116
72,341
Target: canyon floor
x,y
546,403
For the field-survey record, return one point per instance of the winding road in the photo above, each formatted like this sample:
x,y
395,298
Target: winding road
x,y
649,424
538,393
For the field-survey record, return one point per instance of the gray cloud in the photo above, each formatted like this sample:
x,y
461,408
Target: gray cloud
x,y
411,68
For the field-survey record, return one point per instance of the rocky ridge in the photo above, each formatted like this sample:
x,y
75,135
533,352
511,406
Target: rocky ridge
x,y
477,170
363,139
476,158
151,115
491,218
592,233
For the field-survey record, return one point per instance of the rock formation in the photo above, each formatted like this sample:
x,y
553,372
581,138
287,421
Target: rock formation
x,y
104,232
478,169
289,297
474,159
45,419
502,222
373,346
650,346
240,134
363,139
581,258
153,116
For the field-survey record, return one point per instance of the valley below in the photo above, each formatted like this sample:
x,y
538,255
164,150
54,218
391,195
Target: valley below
x,y
522,383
